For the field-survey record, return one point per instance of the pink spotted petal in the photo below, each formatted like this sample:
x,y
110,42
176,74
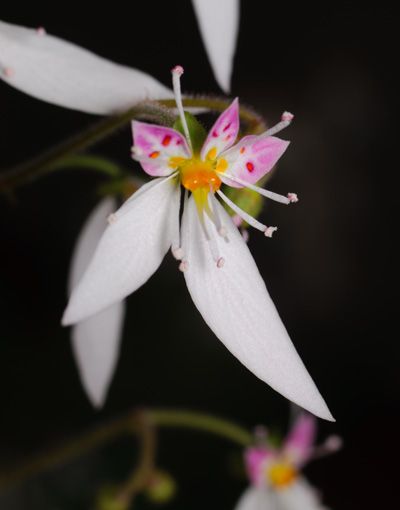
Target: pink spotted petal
x,y
252,158
223,133
299,443
158,144
255,459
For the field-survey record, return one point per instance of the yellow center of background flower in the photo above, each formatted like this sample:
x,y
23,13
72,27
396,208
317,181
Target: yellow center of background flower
x,y
281,474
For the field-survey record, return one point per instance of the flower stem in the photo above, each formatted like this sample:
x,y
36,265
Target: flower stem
x,y
153,111
131,423
199,421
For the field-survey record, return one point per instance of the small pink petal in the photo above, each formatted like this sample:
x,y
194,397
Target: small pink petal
x,y
300,440
255,459
158,144
252,158
224,132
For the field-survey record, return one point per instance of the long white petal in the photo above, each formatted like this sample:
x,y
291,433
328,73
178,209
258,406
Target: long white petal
x,y
257,498
298,496
96,340
131,249
234,302
62,73
219,26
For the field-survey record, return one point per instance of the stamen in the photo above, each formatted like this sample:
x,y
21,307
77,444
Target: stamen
x,y
331,445
183,266
220,262
222,231
211,239
177,72
41,31
176,246
286,120
269,231
243,214
264,192
112,218
8,72
245,235
293,198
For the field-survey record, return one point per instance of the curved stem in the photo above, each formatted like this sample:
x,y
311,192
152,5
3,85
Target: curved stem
x,y
89,162
128,424
138,479
199,421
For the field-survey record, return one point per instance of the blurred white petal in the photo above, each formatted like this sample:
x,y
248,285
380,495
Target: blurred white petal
x,y
131,249
300,495
258,498
65,74
219,26
96,340
234,302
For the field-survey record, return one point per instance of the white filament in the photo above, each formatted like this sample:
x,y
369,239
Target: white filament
x,y
286,120
243,214
268,194
177,72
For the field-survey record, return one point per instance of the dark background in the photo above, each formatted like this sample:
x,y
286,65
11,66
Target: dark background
x,y
328,269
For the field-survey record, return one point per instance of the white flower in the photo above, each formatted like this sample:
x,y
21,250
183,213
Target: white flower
x,y
96,340
219,270
275,473
64,74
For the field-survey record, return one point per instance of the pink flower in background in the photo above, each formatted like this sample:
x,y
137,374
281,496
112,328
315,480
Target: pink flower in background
x,y
219,270
275,473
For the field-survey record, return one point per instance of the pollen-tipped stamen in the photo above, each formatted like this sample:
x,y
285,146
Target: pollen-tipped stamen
x,y
290,198
246,217
286,120
177,72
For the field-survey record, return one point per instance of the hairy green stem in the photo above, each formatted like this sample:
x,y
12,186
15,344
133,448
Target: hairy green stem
x,y
154,111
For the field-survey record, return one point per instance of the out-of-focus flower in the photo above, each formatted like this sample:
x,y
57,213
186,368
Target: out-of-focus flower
x,y
220,273
275,473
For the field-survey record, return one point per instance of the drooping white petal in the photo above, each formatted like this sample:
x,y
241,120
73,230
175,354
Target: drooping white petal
x,y
96,340
234,302
219,26
299,495
257,498
131,249
65,74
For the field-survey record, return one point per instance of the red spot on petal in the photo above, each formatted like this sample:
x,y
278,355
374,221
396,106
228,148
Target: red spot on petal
x,y
166,140
154,155
178,142
215,134
227,127
249,166
227,138
242,150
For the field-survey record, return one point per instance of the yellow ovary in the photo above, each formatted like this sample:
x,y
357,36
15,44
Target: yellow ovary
x,y
281,474
197,174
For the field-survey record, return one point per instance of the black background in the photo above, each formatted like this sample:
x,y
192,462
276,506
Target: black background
x,y
329,269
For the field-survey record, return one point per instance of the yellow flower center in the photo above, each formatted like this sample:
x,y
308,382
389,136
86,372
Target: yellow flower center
x,y
281,474
197,174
